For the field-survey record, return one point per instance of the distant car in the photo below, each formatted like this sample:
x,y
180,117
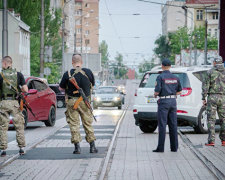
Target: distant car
x,y
60,95
107,96
42,101
189,104
122,91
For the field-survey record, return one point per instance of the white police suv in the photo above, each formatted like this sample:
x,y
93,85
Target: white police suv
x,y
189,104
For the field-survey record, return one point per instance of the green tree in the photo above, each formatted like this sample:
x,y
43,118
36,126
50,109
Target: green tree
x,y
145,66
162,47
103,49
30,13
120,70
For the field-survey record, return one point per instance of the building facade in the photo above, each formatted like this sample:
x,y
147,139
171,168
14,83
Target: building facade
x,y
18,42
173,16
202,10
87,26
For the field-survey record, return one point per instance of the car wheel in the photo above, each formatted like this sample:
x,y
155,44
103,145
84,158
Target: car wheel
x,y
51,117
202,126
60,104
24,112
120,106
148,127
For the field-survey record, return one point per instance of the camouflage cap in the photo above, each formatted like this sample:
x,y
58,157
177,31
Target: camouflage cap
x,y
218,60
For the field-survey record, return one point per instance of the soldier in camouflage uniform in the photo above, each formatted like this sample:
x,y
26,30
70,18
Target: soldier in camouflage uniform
x,y
84,78
214,87
9,105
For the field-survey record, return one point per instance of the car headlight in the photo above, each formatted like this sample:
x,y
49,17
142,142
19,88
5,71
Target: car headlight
x,y
97,99
116,98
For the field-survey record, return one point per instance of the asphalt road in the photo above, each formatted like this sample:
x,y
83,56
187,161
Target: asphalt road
x,y
34,125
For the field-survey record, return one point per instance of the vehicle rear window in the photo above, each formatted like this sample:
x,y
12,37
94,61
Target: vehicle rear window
x,y
201,75
149,80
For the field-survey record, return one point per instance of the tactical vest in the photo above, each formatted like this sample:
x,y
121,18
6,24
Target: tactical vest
x,y
11,76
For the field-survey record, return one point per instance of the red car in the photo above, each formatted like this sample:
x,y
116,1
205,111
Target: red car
x,y
42,100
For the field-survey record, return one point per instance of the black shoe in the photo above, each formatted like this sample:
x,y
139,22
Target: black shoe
x,y
21,151
93,149
173,150
77,149
156,150
3,153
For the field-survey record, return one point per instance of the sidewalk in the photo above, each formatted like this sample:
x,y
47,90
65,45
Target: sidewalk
x,y
133,157
216,154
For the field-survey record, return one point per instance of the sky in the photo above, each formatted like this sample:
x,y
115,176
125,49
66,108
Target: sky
x,y
131,35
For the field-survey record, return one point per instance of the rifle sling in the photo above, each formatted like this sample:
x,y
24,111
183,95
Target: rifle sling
x,y
78,101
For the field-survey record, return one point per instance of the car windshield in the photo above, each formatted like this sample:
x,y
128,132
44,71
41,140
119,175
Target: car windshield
x,y
107,90
55,89
149,80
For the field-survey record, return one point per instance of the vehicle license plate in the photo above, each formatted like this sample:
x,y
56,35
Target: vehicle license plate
x,y
151,100
107,104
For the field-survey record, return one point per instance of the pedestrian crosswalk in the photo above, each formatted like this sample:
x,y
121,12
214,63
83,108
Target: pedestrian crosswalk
x,y
62,137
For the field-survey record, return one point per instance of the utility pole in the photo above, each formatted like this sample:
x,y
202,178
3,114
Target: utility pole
x,y
195,49
206,34
75,45
42,40
63,29
5,29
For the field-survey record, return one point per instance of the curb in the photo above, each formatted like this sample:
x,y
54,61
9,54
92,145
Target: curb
x,y
107,158
16,156
216,172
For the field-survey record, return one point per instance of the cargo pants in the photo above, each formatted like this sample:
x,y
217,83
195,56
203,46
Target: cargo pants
x,y
73,119
216,103
11,107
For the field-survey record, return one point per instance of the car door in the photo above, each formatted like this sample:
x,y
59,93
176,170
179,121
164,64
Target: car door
x,y
32,99
42,98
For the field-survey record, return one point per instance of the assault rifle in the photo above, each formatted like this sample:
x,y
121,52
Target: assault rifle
x,y
20,96
81,92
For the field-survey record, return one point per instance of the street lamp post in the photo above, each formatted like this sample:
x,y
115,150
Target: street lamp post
x,y
5,29
206,39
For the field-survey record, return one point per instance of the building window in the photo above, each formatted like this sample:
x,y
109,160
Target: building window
x,y
78,12
87,5
78,22
87,32
86,23
87,41
215,15
216,33
209,32
199,14
78,40
78,31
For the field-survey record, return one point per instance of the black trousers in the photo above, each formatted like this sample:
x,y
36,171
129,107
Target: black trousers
x,y
167,114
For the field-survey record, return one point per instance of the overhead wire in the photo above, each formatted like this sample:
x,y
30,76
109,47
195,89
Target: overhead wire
x,y
114,27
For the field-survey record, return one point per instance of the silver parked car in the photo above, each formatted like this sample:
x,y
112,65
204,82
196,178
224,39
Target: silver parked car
x,y
107,96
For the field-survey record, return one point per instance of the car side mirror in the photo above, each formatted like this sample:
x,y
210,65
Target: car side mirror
x,y
32,91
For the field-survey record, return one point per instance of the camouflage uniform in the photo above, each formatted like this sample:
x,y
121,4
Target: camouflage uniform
x,y
10,106
214,87
72,118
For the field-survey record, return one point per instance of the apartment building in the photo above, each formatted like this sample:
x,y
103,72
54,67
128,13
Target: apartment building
x,y
173,16
87,26
202,10
18,42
